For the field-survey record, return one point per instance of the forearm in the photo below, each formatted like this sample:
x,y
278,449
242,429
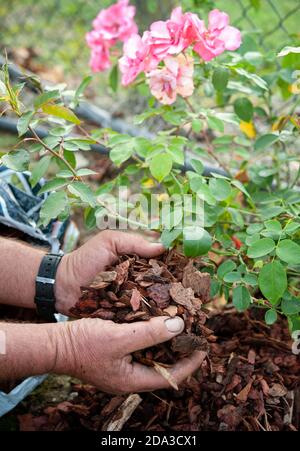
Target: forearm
x,y
30,349
19,265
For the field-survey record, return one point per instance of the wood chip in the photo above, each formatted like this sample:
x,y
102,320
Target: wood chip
x,y
123,413
198,281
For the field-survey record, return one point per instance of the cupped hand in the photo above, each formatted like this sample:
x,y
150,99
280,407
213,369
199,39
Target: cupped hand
x,y
80,267
99,353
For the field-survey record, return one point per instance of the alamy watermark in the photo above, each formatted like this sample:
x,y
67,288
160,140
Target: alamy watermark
x,y
2,342
149,211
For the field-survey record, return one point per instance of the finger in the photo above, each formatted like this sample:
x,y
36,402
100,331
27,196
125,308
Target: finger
x,y
142,335
135,244
147,379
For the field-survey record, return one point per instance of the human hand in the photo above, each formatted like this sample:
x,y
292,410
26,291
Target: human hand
x,y
80,267
99,353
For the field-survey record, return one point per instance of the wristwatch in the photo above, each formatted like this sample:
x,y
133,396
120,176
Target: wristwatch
x,y
44,287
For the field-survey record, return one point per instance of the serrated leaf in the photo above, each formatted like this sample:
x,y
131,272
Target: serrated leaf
x,y
215,123
24,122
197,165
39,170
82,87
271,317
121,153
62,112
265,141
289,252
272,281
53,185
114,78
45,98
225,268
290,305
53,206
220,188
244,109
241,298
18,161
84,192
261,248
161,166
220,78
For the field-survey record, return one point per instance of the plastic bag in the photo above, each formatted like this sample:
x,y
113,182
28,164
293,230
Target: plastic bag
x,y
19,210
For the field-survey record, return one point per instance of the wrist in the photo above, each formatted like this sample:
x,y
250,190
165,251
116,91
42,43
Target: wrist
x,y
66,289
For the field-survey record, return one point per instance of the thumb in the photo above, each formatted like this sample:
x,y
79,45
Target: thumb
x,y
126,243
143,335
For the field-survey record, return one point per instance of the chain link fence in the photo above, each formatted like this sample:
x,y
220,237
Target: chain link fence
x,y
54,29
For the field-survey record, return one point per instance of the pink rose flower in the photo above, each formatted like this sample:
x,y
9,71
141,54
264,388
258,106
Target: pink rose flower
x,y
100,61
176,77
136,58
170,37
218,37
116,22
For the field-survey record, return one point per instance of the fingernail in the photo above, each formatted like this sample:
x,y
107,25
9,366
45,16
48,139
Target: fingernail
x,y
175,325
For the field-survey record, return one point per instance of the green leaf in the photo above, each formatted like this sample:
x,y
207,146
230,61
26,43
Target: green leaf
x,y
220,188
220,78
53,185
45,98
196,241
250,279
114,78
197,125
265,141
169,236
18,161
161,166
84,192
39,170
254,228
225,268
232,277
261,248
271,317
240,187
82,87
260,82
197,166
62,112
290,305
53,206
24,122
121,153
84,172
215,124
272,281
289,252
244,109
241,298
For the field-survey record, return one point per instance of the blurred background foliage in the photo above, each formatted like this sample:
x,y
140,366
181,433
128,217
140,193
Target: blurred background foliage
x,y
54,30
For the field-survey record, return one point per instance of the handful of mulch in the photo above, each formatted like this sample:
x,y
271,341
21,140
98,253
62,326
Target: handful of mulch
x,y
137,289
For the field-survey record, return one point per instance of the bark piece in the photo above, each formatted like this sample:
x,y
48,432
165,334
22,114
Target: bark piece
x,y
160,294
183,296
103,279
123,413
186,344
198,281
135,300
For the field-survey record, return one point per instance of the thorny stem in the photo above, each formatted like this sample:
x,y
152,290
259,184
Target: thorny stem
x,y
55,154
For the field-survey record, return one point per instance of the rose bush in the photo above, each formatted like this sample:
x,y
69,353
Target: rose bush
x,y
248,231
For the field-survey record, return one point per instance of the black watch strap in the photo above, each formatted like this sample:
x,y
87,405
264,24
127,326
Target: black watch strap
x,y
44,286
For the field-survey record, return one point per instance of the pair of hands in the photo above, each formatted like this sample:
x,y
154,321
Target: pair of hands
x,y
99,352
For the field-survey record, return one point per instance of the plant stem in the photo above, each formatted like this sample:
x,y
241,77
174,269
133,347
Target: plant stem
x,y
55,154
